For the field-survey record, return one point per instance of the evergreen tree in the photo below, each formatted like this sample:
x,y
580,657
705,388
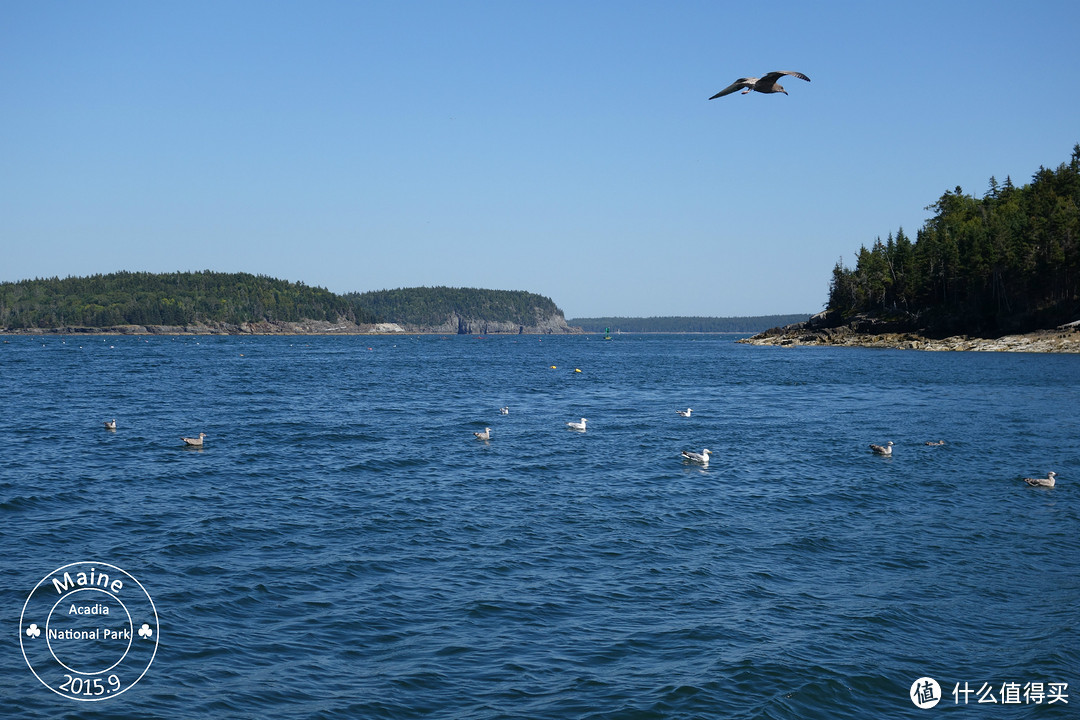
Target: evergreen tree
x,y
1010,260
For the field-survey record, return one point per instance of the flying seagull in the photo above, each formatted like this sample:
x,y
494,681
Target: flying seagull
x,y
765,84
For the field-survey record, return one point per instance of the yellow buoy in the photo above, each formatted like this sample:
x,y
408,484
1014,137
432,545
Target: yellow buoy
x,y
552,367
577,369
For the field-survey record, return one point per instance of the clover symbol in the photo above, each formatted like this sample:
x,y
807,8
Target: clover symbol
x,y
145,631
33,631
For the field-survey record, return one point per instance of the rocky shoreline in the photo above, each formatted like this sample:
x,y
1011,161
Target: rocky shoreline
x,y
864,332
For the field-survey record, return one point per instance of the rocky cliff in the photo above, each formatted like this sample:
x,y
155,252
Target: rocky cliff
x,y
458,325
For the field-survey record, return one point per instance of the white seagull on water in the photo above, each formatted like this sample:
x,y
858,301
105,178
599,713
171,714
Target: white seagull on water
x,y
110,424
1047,481
504,410
701,457
882,449
577,425
686,412
194,442
486,435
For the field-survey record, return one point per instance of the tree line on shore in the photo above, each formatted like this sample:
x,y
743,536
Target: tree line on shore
x,y
1008,261
434,306
685,324
206,297
180,298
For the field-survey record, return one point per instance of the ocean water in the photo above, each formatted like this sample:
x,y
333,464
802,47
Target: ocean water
x,y
344,547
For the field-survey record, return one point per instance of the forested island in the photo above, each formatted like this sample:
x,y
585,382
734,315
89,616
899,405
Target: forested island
x,y
214,302
686,324
465,310
1005,264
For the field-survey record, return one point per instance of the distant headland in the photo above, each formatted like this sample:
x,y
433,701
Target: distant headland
x,y
997,273
686,324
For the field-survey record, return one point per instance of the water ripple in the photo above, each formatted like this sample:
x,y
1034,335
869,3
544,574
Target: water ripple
x,y
344,547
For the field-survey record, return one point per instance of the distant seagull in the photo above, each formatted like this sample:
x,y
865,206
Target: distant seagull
x,y
110,424
931,442
194,442
1047,481
504,410
882,449
577,425
701,457
486,435
765,84
685,413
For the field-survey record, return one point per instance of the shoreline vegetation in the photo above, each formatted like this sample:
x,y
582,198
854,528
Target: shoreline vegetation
x,y
212,303
997,273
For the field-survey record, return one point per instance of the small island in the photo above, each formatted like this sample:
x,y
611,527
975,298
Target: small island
x,y
1001,272
206,302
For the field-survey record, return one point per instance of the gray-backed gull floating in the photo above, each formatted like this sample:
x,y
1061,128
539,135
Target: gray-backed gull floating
x,y
701,457
882,449
1047,481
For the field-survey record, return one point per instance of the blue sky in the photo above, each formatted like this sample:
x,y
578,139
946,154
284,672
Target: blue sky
x,y
565,148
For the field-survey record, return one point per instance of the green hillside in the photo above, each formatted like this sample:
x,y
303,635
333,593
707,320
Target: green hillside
x,y
1006,262
435,306
182,298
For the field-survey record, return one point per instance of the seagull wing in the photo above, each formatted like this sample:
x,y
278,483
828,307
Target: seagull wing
x,y
776,75
737,85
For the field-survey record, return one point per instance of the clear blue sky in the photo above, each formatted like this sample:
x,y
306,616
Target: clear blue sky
x,y
565,148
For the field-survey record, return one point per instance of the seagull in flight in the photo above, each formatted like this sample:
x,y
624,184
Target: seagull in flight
x,y
765,84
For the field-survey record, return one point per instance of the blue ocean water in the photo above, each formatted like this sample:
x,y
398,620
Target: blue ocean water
x,y
344,547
